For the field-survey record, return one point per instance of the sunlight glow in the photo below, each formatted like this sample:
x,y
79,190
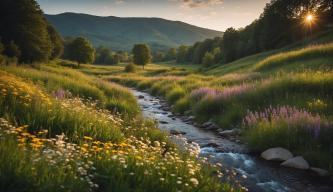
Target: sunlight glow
x,y
309,18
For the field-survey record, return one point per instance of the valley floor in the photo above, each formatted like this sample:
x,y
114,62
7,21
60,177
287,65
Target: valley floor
x,y
281,100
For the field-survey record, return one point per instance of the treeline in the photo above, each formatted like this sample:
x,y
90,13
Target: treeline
x,y
81,50
282,22
27,37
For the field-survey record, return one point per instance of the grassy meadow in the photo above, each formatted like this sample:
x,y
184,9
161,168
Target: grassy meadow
x,y
69,129
63,130
260,94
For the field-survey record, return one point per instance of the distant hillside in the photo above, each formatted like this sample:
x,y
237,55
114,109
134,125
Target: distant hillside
x,y
121,33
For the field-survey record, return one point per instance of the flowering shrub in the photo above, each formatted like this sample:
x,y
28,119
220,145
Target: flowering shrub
x,y
317,105
288,116
300,131
215,94
200,93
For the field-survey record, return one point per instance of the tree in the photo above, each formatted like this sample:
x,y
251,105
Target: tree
x,y
141,54
104,56
182,54
171,54
56,42
2,48
12,50
159,56
208,59
116,59
81,51
230,44
217,54
22,21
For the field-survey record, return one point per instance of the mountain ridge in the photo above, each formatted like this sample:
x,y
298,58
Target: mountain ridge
x,y
120,33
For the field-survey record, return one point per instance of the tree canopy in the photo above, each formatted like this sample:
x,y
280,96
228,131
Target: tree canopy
x,y
141,54
81,51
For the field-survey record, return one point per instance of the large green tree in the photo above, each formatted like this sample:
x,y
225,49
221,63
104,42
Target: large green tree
x,y
141,54
81,51
12,50
56,42
22,21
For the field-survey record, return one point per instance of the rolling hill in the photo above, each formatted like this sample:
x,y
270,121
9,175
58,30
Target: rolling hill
x,y
121,33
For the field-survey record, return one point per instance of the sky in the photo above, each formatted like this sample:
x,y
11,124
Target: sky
x,y
213,14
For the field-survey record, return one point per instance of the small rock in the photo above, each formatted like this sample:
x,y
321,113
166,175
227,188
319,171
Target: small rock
x,y
175,132
163,122
173,118
213,126
211,145
206,124
190,118
141,97
277,154
228,133
320,172
196,124
296,162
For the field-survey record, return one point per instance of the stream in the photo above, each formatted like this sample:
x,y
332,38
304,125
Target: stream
x,y
253,172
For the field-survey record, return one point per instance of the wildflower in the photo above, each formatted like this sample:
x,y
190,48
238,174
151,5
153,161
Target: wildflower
x,y
157,144
88,138
194,181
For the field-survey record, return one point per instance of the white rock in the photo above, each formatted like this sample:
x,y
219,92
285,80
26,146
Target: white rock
x,y
277,154
320,172
228,133
296,162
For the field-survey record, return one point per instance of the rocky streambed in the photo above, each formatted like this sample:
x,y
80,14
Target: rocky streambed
x,y
224,147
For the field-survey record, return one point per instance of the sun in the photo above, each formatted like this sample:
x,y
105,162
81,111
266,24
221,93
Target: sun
x,y
309,18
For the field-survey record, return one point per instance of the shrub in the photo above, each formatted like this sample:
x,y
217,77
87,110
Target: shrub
x,y
130,68
175,94
182,105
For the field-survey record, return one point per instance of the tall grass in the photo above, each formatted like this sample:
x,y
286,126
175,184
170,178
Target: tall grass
x,y
54,77
292,128
24,103
284,59
66,143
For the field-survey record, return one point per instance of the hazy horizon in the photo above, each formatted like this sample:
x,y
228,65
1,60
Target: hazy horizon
x,y
212,14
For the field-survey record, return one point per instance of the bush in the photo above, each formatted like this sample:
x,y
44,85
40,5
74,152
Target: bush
x,y
130,68
175,94
182,105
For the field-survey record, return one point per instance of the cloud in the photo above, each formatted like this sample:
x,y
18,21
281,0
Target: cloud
x,y
200,3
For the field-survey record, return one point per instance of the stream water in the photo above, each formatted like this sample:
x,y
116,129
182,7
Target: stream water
x,y
254,173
